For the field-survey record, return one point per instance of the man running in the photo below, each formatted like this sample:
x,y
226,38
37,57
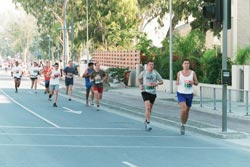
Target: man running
x,y
46,72
148,80
186,78
34,72
69,73
98,76
54,83
17,73
88,83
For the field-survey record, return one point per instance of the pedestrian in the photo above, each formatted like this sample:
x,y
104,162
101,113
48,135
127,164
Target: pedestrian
x,y
34,72
17,73
54,83
98,76
69,73
148,80
88,83
46,72
186,78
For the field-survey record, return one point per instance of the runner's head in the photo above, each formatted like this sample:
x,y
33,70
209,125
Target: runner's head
x,y
150,65
97,66
186,64
91,64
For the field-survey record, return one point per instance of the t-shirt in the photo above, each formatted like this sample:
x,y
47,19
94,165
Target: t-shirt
x,y
54,77
69,72
17,71
34,72
97,77
47,70
149,78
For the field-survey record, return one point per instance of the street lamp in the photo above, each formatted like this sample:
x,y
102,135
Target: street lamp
x,y
64,33
87,20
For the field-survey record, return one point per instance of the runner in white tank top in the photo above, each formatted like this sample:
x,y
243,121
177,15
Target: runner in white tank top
x,y
185,81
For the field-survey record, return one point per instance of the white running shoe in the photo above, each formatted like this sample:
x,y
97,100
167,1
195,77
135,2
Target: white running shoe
x,y
148,126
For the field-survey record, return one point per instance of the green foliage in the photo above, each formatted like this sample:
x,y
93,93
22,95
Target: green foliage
x,y
117,73
243,56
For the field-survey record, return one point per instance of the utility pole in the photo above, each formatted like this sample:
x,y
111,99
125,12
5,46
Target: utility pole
x,y
170,47
224,65
64,34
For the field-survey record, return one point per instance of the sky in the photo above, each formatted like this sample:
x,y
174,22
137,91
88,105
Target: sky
x,y
6,6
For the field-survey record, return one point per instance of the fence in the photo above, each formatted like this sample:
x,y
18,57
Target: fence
x,y
238,99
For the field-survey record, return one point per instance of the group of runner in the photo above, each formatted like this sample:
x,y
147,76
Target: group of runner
x,y
148,80
94,79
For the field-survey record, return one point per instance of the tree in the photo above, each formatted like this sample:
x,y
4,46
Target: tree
x,y
243,56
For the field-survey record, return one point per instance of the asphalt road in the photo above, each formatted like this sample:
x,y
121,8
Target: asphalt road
x,y
35,134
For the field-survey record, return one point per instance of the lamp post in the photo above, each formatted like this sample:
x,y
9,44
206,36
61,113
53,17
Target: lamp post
x,y
87,20
170,48
64,33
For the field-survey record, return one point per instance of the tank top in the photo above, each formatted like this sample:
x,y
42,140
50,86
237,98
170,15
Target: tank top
x,y
184,87
87,79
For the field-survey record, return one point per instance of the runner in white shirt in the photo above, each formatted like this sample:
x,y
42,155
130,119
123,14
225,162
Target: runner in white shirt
x,y
17,73
54,83
34,72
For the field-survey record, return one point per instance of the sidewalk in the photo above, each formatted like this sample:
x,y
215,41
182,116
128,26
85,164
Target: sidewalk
x,y
238,111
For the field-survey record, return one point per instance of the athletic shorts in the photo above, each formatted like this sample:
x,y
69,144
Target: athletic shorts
x,y
148,96
187,98
88,85
17,78
69,81
98,89
54,87
33,79
46,84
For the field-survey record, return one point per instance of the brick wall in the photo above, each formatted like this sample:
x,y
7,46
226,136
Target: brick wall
x,y
121,59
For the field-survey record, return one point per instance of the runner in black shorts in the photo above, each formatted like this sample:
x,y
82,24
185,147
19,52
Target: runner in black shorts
x,y
148,80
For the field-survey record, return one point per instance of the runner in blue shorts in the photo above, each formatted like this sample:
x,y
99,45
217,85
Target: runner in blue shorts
x,y
186,78
88,83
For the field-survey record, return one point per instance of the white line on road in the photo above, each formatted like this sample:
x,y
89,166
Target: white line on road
x,y
71,111
122,146
30,111
128,164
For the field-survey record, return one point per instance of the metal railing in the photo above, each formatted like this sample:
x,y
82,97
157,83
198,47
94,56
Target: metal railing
x,y
237,100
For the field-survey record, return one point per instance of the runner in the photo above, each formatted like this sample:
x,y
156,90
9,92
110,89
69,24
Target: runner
x,y
17,73
34,72
46,72
148,80
54,83
185,81
88,83
69,73
98,76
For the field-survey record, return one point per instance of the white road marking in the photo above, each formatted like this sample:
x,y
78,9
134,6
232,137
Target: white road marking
x,y
71,111
30,111
128,164
121,146
77,135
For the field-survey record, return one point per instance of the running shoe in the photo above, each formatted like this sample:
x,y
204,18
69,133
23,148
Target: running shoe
x,y
182,130
148,126
54,105
69,99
